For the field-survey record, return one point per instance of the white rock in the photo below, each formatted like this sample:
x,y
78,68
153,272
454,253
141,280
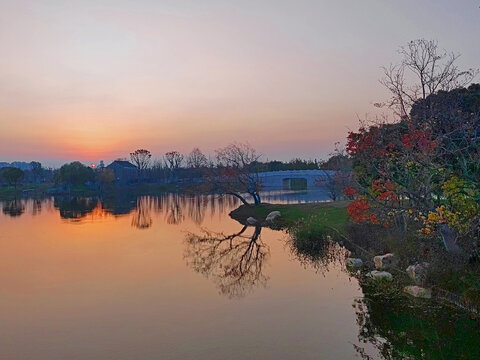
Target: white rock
x,y
354,263
418,291
385,261
251,221
273,215
381,275
418,272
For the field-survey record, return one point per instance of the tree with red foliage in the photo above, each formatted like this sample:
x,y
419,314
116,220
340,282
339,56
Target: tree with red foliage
x,y
413,167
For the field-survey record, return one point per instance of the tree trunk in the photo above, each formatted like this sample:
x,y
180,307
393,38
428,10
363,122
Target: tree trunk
x,y
258,201
256,198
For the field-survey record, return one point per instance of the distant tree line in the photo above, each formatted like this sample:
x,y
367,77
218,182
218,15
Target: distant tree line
x,y
232,170
26,173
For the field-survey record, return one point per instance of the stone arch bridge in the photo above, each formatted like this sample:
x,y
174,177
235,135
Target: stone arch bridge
x,y
295,179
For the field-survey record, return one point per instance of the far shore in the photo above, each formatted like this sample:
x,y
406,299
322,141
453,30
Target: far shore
x,y
38,191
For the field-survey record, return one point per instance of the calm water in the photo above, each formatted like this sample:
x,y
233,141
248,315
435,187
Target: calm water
x,y
169,277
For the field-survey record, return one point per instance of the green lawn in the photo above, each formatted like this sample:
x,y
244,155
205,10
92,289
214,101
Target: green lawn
x,y
310,217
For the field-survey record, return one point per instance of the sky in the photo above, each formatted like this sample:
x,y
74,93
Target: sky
x,y
95,80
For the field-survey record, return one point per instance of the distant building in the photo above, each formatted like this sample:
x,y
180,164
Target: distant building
x,y
124,171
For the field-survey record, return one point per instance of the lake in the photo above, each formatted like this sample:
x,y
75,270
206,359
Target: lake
x,y
170,277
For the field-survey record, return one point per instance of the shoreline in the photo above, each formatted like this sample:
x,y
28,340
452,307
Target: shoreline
x,y
311,224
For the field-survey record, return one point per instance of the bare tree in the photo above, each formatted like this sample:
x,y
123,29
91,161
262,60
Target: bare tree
x,y
173,159
141,159
425,69
237,171
196,159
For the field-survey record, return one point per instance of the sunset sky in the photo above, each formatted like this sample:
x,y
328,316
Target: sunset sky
x,y
92,80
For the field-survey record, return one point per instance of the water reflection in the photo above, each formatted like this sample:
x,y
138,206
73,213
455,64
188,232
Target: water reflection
x,y
14,208
237,261
295,197
319,253
197,208
402,328
75,208
234,262
174,210
36,207
142,218
123,268
175,207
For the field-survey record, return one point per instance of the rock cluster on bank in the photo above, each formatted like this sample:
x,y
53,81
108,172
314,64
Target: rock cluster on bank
x,y
384,262
418,291
354,263
418,272
381,275
273,216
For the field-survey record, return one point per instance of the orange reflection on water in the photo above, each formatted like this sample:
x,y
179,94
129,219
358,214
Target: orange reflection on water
x,y
86,279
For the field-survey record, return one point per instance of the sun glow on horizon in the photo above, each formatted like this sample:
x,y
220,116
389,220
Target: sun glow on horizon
x,y
96,80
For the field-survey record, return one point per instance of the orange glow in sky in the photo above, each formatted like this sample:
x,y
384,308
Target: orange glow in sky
x,y
93,80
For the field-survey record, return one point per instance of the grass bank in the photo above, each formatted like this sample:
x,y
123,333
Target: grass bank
x,y
309,218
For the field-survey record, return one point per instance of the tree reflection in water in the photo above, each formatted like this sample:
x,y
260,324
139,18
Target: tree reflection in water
x,y
75,208
319,253
197,207
14,208
234,262
175,204
175,207
18,207
141,218
403,328
36,207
